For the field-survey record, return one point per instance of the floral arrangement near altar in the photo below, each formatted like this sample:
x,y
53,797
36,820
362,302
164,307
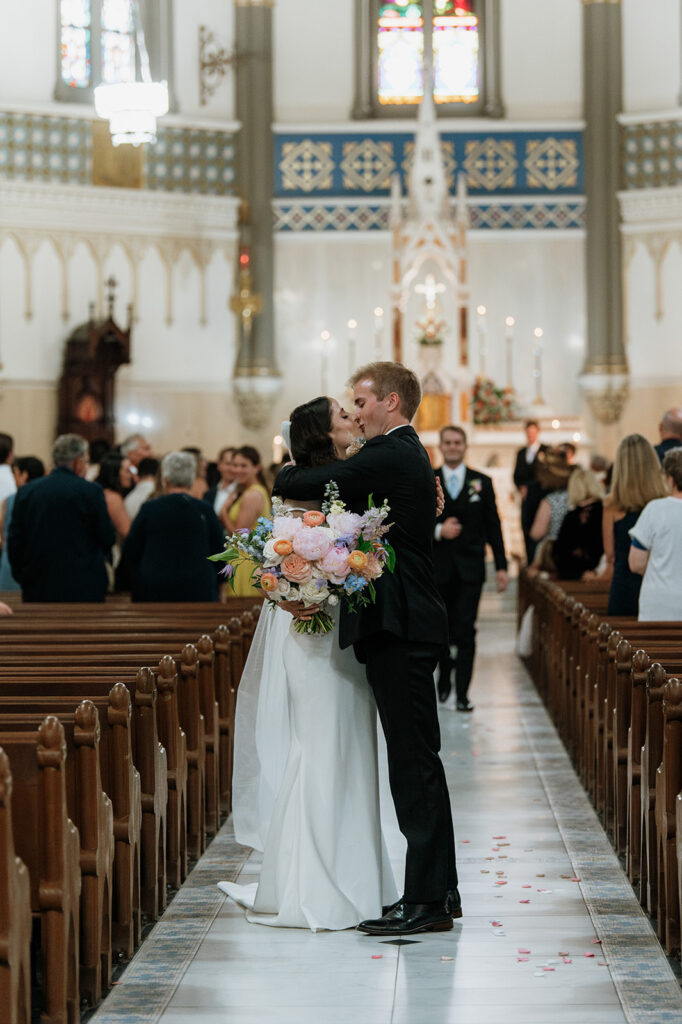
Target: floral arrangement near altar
x,y
320,559
491,404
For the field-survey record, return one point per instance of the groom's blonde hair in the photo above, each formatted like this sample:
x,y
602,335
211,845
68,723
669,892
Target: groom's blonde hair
x,y
385,378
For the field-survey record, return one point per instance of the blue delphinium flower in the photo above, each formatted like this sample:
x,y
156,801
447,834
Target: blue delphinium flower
x,y
354,583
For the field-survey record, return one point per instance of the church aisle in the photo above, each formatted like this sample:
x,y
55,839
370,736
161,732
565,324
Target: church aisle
x,y
540,887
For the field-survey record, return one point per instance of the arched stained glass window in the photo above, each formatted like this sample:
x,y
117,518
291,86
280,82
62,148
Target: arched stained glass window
x,y
391,39
97,44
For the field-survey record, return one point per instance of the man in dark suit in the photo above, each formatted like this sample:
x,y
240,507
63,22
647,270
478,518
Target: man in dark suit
x,y
468,522
399,637
61,533
670,429
524,476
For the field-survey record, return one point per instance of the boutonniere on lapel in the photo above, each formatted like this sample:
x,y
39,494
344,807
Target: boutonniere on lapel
x,y
474,489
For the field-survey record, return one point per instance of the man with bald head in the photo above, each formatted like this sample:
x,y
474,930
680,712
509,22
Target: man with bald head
x,y
670,429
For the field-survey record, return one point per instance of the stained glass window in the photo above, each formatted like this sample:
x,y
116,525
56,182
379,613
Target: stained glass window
x,y
118,41
75,43
455,38
455,52
401,50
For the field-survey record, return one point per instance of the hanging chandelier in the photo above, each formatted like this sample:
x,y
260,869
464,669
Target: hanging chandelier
x,y
133,107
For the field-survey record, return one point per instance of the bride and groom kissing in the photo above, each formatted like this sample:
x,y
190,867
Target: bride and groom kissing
x,y
306,784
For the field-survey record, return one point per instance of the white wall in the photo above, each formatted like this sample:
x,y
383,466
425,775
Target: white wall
x,y
542,59
651,55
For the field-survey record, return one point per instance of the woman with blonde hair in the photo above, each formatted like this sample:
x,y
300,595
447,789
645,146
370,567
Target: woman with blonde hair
x,y
656,550
637,479
579,545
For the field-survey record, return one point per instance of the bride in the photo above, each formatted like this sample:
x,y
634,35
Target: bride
x,y
306,788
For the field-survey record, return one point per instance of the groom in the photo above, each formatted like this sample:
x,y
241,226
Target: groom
x,y
400,636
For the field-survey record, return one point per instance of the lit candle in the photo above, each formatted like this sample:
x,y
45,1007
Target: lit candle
x,y
537,365
325,338
482,332
277,448
509,340
378,330
352,357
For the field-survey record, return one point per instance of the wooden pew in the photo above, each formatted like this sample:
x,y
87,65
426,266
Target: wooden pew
x,y
48,843
668,786
15,914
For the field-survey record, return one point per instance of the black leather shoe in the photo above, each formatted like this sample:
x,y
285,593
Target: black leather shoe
x,y
464,705
444,686
410,918
453,903
387,910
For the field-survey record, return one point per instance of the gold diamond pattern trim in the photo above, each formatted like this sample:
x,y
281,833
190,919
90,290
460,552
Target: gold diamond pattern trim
x,y
367,165
448,156
490,163
551,163
306,166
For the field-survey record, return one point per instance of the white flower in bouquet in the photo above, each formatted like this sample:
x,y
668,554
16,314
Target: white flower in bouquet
x,y
315,591
270,556
333,600
283,587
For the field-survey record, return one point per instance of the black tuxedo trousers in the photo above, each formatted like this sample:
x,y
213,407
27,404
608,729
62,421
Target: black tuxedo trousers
x,y
400,673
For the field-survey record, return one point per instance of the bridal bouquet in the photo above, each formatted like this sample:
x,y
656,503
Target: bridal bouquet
x,y
319,559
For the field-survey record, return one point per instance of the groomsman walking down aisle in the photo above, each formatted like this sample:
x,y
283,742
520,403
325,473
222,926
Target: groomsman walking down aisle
x,y
468,522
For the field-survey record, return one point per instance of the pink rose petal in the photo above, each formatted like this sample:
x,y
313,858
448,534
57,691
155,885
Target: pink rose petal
x,y
522,959
588,955
567,960
524,901
522,950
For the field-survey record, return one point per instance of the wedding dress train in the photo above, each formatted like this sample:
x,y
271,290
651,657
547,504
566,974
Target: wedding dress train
x,y
325,864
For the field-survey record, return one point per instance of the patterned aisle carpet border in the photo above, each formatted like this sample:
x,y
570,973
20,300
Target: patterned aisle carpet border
x,y
150,981
641,973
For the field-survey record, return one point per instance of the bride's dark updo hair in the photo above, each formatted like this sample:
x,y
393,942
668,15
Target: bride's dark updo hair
x,y
311,426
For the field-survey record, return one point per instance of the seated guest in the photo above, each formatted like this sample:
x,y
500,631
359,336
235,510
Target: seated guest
x,y
670,430
61,532
252,501
26,468
656,550
144,488
636,480
579,545
166,552
226,488
552,476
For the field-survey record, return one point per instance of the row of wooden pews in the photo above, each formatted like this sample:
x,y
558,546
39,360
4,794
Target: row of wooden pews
x,y
116,743
612,686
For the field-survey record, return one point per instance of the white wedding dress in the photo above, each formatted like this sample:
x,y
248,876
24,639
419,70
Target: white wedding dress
x,y
306,783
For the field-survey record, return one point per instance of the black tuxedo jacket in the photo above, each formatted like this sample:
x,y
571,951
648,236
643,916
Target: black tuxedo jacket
x,y
524,472
59,539
394,467
476,509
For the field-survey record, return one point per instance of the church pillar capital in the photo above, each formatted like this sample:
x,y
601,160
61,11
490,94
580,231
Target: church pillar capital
x,y
605,366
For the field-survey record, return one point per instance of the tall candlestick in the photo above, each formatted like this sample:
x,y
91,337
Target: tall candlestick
x,y
378,330
482,333
537,365
509,342
277,448
325,338
352,356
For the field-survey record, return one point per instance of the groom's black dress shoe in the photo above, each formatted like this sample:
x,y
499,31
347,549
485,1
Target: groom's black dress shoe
x,y
409,918
464,705
453,904
444,686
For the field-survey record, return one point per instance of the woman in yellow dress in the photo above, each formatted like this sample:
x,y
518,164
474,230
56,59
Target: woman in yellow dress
x,y
251,500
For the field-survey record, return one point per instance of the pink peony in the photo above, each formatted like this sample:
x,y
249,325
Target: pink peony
x,y
344,524
373,569
335,565
312,543
286,527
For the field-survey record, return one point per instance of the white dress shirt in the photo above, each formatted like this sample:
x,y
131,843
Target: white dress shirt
x,y
453,480
7,482
532,451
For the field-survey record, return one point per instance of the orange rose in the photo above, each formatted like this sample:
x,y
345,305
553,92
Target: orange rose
x,y
313,518
283,546
268,582
296,569
357,560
